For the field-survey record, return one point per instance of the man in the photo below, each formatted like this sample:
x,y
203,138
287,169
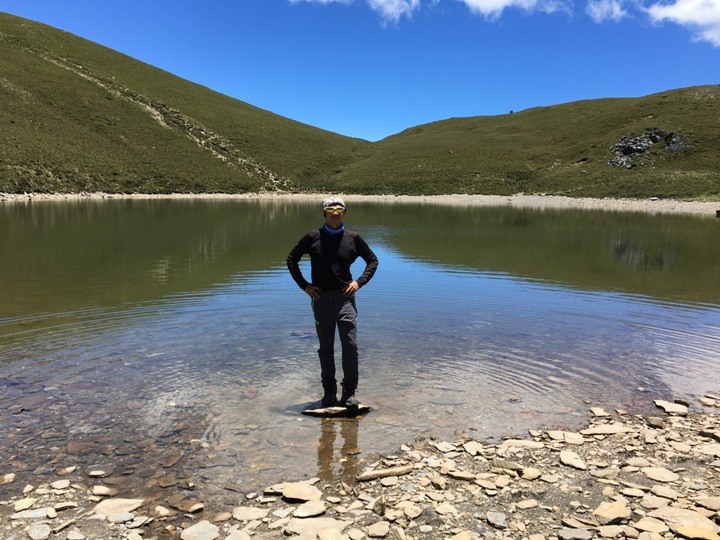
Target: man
x,y
332,250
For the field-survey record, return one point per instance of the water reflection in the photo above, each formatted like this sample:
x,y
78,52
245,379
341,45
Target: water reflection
x,y
337,460
140,331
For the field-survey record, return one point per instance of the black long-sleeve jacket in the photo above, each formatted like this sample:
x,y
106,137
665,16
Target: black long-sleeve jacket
x,y
330,259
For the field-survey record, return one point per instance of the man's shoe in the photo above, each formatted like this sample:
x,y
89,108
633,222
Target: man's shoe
x,y
329,398
350,402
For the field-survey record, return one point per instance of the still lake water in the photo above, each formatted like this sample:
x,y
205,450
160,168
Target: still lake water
x,y
142,332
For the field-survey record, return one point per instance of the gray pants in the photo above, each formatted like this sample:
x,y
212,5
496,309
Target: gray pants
x,y
334,309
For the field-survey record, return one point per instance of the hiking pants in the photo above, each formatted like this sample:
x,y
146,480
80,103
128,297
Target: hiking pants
x,y
334,309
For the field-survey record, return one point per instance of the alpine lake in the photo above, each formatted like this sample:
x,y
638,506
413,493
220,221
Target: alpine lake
x,y
165,340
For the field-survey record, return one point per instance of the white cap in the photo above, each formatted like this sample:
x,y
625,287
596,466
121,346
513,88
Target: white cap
x,y
333,201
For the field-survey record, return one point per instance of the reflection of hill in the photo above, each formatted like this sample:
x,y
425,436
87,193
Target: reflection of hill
x,y
76,255
72,255
666,257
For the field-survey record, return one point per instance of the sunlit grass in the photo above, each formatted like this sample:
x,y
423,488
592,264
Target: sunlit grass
x,y
76,116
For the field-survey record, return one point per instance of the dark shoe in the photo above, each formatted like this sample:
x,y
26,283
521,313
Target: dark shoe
x,y
329,398
350,401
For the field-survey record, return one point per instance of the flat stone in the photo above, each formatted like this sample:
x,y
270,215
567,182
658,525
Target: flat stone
x,y
24,504
310,526
571,459
249,513
680,517
696,533
473,447
310,509
301,491
638,462
413,511
121,517
188,505
531,473
379,530
712,449
610,531
611,513
650,524
75,535
573,438
104,491
60,484
203,530
446,508
507,465
238,535
660,474
666,492
445,447
672,408
711,503
653,501
39,531
331,534
117,506
521,443
633,492
613,428
462,475
497,520
465,535
575,534
37,513
7,478
527,504
550,478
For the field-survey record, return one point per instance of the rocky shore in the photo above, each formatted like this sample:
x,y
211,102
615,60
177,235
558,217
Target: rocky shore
x,y
623,476
650,205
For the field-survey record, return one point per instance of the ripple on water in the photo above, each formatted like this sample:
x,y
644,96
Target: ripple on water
x,y
487,355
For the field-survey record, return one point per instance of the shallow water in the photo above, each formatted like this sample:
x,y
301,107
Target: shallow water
x,y
135,332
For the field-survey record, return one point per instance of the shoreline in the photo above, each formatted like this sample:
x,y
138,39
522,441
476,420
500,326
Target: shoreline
x,y
650,205
623,476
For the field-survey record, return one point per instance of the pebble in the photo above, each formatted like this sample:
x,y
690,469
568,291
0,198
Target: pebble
x,y
622,477
203,530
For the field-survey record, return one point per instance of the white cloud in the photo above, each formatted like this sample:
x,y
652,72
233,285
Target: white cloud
x,y
394,9
700,16
390,10
604,10
492,9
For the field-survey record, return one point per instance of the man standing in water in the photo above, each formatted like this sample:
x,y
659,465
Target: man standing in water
x,y
332,250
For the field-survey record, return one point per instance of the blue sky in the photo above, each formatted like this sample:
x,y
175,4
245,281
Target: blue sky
x,y
372,68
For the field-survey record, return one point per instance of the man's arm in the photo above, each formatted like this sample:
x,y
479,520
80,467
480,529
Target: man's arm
x,y
294,258
302,247
371,261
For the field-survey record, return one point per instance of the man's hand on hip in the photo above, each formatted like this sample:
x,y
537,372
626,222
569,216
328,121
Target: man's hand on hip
x,y
313,291
351,289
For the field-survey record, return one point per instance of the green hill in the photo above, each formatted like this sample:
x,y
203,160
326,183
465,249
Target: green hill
x,y
80,117
77,116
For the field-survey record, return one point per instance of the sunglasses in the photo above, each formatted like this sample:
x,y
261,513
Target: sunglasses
x,y
335,211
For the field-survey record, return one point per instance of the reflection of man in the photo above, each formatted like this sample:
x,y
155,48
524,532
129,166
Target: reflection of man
x,y
349,463
332,250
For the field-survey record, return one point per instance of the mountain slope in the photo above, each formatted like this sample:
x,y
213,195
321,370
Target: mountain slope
x,y
564,149
78,116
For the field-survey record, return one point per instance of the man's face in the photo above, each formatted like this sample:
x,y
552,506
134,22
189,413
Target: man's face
x,y
334,216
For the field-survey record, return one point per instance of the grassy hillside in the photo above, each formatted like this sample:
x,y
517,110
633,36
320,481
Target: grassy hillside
x,y
562,149
79,117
